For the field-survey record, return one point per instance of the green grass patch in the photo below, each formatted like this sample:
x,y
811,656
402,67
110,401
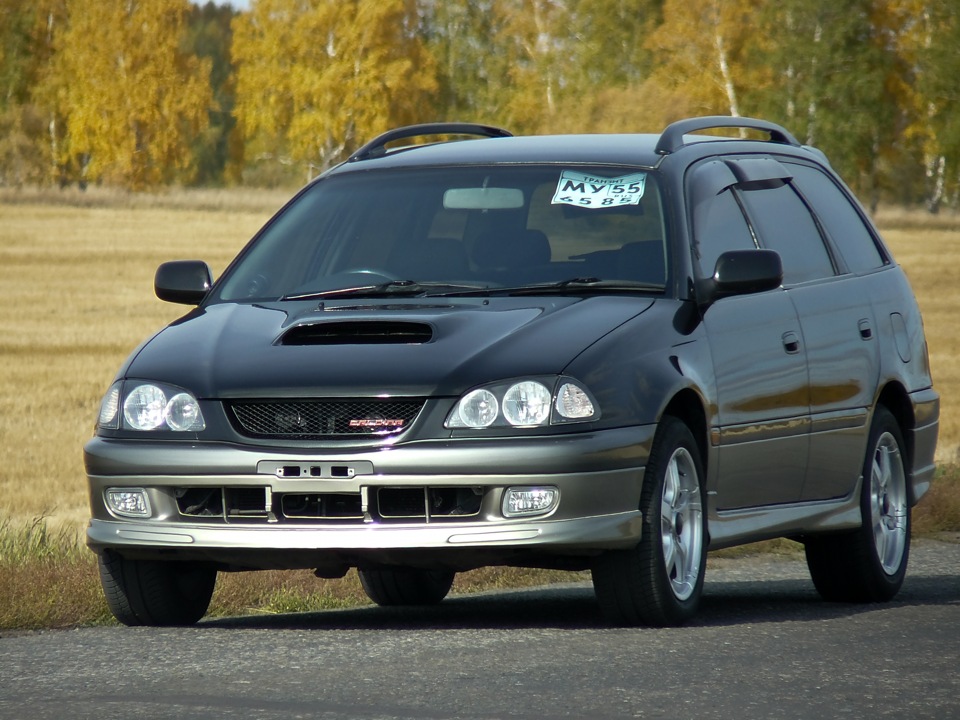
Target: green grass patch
x,y
47,579
283,591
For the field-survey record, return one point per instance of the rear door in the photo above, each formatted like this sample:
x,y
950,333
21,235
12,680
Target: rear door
x,y
837,324
843,335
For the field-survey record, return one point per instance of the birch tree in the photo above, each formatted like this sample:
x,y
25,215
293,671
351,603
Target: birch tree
x,y
928,45
466,39
316,78
534,35
26,46
131,97
836,81
611,40
701,51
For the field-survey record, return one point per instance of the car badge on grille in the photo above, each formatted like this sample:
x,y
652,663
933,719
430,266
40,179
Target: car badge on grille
x,y
378,424
290,420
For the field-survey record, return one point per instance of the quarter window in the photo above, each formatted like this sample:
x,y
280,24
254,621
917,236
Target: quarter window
x,y
839,218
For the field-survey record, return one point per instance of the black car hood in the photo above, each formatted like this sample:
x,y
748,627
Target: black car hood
x,y
283,349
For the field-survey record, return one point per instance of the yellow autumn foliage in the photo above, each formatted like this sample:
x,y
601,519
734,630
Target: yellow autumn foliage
x,y
318,78
132,98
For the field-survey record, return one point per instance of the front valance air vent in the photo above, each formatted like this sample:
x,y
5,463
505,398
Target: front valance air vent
x,y
358,333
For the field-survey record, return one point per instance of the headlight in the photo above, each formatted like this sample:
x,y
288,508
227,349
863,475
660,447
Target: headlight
x,y
143,408
149,406
182,413
525,403
477,409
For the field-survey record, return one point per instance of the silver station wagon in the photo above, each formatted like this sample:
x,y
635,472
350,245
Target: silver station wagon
x,y
603,352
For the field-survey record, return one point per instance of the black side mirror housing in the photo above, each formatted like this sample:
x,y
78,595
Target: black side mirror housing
x,y
742,272
186,282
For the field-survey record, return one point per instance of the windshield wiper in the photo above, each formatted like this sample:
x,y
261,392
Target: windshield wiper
x,y
412,288
392,288
569,286
584,284
386,289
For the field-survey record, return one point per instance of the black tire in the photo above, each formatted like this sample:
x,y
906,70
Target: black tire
x,y
154,592
406,586
870,563
653,583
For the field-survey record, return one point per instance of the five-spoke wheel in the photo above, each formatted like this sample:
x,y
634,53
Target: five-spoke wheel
x,y
869,564
659,582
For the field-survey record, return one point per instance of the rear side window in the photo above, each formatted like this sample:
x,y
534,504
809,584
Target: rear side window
x,y
783,223
839,218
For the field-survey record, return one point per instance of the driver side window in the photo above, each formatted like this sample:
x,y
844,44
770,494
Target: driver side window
x,y
719,226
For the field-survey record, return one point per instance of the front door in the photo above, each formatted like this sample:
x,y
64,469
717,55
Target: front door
x,y
763,401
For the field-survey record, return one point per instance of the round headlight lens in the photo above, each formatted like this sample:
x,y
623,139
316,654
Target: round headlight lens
x,y
478,409
183,413
527,403
144,407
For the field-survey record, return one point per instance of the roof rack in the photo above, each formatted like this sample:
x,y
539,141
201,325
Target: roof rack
x,y
378,146
671,139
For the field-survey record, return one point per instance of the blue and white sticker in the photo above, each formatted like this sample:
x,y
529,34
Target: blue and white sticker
x,y
590,191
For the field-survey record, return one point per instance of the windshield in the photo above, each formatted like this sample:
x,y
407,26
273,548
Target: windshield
x,y
444,231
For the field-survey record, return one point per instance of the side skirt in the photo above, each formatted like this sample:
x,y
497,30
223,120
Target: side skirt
x,y
746,525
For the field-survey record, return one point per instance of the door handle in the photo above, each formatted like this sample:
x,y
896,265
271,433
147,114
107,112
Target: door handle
x,y
791,343
866,331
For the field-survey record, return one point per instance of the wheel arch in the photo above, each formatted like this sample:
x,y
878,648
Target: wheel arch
x,y
894,397
687,406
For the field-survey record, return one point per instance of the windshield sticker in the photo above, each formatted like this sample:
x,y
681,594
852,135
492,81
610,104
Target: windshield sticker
x,y
590,191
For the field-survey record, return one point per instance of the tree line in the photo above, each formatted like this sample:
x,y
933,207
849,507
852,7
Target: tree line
x,y
142,93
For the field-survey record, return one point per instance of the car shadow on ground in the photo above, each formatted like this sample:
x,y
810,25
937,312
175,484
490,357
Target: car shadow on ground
x,y
574,607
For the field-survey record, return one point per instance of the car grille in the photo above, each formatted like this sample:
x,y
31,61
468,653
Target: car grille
x,y
386,504
321,419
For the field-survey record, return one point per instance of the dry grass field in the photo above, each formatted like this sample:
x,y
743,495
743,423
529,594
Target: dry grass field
x,y
930,255
76,297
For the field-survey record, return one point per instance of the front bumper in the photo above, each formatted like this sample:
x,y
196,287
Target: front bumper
x,y
598,475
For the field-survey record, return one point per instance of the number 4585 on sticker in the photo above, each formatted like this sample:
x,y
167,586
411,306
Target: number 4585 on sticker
x,y
590,191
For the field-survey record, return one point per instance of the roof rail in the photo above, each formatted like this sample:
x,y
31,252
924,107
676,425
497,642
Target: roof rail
x,y
671,139
378,146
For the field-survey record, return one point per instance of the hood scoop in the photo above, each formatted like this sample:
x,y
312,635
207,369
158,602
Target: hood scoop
x,y
367,332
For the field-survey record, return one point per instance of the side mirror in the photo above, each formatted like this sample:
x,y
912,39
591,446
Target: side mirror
x,y
741,272
183,281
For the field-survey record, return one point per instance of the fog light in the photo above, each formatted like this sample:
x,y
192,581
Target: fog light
x,y
128,502
520,501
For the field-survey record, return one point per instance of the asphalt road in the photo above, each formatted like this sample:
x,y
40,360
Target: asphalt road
x,y
763,646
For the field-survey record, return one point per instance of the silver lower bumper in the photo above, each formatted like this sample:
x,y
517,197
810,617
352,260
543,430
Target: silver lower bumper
x,y
619,530
599,477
